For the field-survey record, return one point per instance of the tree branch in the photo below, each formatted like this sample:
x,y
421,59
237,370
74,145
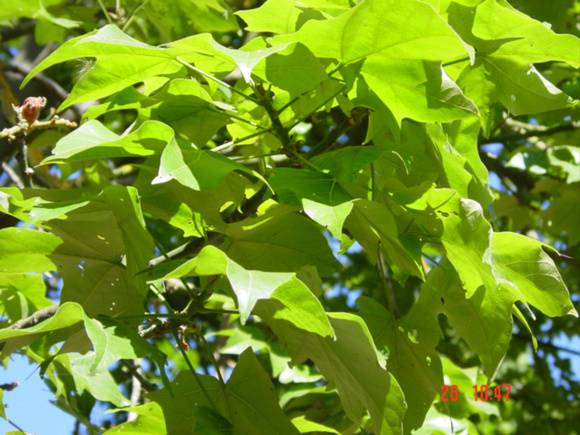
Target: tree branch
x,y
35,318
520,178
47,82
13,132
23,28
534,131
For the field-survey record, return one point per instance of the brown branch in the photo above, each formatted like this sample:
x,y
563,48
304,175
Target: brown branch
x,y
559,256
23,28
549,345
35,318
534,131
187,248
13,175
520,178
277,126
50,84
21,128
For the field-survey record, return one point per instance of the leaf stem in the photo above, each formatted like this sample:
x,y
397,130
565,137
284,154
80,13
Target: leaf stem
x,y
453,62
212,358
193,372
324,103
215,79
134,14
536,132
105,12
387,283
241,119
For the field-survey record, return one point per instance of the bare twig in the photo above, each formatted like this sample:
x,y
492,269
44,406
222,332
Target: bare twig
x,y
13,175
50,84
534,131
23,28
35,318
192,370
136,387
215,79
134,14
13,132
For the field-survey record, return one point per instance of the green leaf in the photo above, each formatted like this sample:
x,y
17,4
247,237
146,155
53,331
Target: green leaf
x,y
466,236
465,379
105,245
100,384
112,343
187,107
522,264
352,363
185,406
68,314
150,421
508,44
345,163
307,426
121,61
331,217
67,320
416,90
198,170
274,16
23,250
294,185
484,320
416,366
527,40
291,298
455,166
523,90
567,160
373,225
15,9
22,294
254,407
2,408
246,59
400,29
93,141
279,241
294,69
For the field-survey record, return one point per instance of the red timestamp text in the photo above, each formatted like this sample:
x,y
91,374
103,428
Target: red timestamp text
x,y
498,393
450,393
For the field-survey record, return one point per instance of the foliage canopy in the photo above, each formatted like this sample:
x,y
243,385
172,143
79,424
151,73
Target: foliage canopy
x,y
288,217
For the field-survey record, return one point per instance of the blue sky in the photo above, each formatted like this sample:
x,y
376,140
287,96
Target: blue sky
x,y
29,404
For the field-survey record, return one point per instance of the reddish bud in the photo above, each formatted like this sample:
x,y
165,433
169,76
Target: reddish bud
x,y
31,108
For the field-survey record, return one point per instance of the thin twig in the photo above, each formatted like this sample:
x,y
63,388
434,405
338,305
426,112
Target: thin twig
x,y
324,103
297,97
16,426
193,372
134,14
13,175
35,318
213,359
535,132
11,133
215,79
23,163
147,386
387,283
105,11
273,114
453,62
23,28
